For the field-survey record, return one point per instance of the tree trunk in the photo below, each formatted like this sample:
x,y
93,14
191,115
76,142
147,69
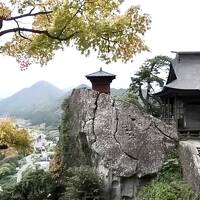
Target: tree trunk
x,y
142,97
148,97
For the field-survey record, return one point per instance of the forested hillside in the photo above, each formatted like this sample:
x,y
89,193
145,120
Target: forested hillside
x,y
39,103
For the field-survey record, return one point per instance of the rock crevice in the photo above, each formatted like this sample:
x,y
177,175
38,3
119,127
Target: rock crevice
x,y
115,137
162,132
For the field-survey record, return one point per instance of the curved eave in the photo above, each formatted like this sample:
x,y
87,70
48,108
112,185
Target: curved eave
x,y
167,91
100,77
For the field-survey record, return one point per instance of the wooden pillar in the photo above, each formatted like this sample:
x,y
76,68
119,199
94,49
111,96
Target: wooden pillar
x,y
164,108
175,107
175,112
168,108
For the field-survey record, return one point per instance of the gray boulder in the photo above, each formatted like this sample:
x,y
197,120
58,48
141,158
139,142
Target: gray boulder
x,y
127,146
190,162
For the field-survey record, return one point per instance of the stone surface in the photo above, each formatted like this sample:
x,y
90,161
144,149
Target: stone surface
x,y
190,162
126,144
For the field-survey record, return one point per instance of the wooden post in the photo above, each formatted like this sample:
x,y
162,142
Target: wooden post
x,y
175,112
168,108
164,108
175,109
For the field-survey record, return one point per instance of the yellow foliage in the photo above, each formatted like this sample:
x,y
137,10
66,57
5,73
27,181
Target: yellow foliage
x,y
5,11
15,137
89,25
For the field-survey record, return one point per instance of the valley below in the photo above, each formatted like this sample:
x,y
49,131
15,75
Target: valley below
x,y
44,139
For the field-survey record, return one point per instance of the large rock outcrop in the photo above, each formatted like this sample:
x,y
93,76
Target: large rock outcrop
x,y
189,154
127,146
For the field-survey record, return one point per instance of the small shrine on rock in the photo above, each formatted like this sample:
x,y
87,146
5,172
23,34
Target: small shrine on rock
x,y
101,81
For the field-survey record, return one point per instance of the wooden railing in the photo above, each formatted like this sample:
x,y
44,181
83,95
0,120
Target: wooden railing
x,y
189,133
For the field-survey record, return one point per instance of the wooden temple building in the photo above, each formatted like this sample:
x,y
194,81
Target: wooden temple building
x,y
101,81
181,94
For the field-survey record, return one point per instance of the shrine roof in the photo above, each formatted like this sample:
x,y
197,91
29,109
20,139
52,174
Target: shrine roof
x,y
100,73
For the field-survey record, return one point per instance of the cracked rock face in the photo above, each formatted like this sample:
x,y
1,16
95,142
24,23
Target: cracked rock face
x,y
126,144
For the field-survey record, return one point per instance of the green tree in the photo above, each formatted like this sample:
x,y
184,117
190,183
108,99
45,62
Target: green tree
x,y
87,24
83,183
129,97
169,184
176,190
34,185
147,79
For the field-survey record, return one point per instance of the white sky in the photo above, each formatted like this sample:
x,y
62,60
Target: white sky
x,y
175,26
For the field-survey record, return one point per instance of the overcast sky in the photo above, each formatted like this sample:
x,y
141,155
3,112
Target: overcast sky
x,y
175,26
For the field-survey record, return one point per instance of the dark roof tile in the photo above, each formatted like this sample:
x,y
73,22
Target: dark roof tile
x,y
100,73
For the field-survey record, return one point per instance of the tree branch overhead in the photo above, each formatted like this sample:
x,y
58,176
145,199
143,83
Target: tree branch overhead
x,y
89,25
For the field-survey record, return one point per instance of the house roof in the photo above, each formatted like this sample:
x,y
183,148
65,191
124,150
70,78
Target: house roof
x,y
186,68
101,73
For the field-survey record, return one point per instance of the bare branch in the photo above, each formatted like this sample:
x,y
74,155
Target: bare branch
x,y
45,32
1,23
30,14
20,34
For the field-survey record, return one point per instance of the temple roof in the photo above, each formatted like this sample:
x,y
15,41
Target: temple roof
x,y
186,68
184,74
186,52
100,73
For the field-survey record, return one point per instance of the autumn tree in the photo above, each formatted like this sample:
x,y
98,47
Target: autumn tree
x,y
149,77
37,28
12,136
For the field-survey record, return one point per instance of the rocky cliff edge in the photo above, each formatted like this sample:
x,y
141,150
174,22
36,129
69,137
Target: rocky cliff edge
x,y
122,142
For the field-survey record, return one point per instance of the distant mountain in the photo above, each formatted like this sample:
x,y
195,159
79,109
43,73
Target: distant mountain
x,y
68,93
36,102
82,86
118,92
40,103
